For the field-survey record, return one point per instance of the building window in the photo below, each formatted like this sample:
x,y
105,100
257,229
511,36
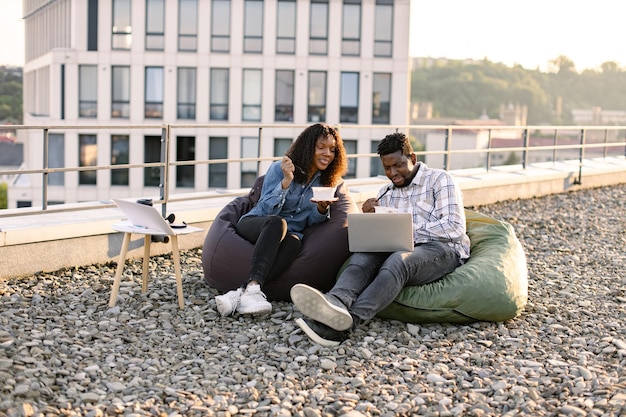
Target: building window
x,y
188,25
220,26
350,146
286,27
152,153
87,157
120,95
155,25
87,91
218,108
318,27
317,96
92,25
186,108
56,158
185,151
119,156
253,26
218,149
251,103
349,98
281,145
381,98
122,29
383,28
376,166
249,149
153,107
284,96
351,31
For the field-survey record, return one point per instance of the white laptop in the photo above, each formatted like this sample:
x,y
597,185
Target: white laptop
x,y
380,232
145,218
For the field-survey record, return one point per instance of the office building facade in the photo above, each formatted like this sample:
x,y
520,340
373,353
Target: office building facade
x,y
215,70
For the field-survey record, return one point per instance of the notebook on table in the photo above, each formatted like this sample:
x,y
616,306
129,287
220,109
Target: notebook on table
x,y
145,218
380,232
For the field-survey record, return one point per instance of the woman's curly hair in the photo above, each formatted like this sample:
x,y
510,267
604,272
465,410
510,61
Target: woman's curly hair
x,y
302,152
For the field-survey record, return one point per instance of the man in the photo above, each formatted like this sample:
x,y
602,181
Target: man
x,y
371,281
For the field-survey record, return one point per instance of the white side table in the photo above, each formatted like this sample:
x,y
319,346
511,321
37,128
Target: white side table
x,y
128,229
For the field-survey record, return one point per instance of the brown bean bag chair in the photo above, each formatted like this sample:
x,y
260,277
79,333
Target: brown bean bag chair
x,y
226,255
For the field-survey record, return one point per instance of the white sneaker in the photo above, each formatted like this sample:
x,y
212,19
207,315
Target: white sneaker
x,y
227,303
253,301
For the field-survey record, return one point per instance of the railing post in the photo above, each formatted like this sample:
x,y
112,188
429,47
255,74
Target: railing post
x,y
258,154
446,155
525,151
581,156
44,188
488,164
165,168
606,139
554,143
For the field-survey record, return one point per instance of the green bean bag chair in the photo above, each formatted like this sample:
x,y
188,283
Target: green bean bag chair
x,y
491,286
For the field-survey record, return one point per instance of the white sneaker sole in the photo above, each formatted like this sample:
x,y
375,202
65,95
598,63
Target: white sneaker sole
x,y
314,336
255,311
313,304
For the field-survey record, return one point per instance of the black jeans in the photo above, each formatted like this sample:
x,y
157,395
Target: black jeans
x,y
274,248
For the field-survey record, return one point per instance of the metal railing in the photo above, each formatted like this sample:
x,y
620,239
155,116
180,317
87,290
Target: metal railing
x,y
529,140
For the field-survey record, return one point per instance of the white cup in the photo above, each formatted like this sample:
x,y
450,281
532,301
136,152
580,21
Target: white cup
x,y
323,193
383,209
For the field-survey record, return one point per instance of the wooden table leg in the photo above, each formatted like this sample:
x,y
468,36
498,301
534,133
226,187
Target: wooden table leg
x,y
146,261
179,278
120,268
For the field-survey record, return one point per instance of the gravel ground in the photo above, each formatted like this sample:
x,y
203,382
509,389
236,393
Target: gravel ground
x,y
64,352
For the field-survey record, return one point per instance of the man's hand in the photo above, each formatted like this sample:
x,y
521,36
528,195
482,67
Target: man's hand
x,y
369,204
288,169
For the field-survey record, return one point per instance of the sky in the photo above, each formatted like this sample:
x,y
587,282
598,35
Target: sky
x,y
530,33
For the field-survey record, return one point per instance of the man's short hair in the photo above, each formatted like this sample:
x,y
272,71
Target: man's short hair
x,y
395,142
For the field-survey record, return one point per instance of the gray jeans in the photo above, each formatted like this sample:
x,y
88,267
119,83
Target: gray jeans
x,y
371,281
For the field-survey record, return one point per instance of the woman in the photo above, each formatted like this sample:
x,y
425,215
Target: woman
x,y
285,208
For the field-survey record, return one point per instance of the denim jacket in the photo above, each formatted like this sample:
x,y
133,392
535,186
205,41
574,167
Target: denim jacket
x,y
293,204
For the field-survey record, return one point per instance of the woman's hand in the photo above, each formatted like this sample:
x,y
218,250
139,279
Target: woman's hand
x,y
322,206
288,169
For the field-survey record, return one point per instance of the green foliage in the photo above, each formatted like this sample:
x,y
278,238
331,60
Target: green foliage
x,y
466,91
10,95
4,195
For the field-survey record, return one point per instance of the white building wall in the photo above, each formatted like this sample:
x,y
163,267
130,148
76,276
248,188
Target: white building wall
x,y
170,59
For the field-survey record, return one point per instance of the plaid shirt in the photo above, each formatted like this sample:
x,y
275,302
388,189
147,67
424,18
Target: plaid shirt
x,y
436,203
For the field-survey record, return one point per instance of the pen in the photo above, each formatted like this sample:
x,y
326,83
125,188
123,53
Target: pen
x,y
383,194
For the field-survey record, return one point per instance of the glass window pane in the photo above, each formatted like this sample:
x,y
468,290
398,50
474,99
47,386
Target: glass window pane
x,y
121,30
318,29
88,90
252,88
155,16
219,94
249,149
281,146
284,96
220,26
119,155
381,98
87,156
253,26
187,18
349,97
317,97
186,108
152,153
286,27
218,149
120,94
350,146
185,151
56,158
383,30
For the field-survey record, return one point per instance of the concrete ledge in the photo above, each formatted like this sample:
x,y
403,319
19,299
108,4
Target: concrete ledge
x,y
62,239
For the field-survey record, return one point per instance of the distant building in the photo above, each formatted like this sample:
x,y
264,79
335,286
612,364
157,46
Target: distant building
x,y
148,62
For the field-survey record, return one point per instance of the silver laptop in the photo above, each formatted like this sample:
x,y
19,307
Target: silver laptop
x,y
144,217
380,232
